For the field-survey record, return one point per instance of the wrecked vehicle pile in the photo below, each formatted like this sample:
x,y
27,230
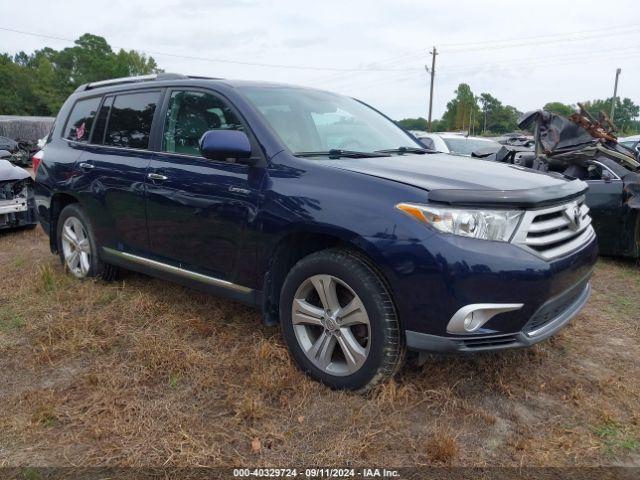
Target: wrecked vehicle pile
x,y
586,148
515,139
20,135
20,151
17,204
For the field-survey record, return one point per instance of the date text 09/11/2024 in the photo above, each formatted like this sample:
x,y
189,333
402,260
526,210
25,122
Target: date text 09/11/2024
x,y
316,472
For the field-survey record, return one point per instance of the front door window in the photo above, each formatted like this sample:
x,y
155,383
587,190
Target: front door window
x,y
189,116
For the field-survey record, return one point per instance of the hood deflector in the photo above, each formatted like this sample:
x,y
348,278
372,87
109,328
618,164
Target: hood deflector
x,y
531,198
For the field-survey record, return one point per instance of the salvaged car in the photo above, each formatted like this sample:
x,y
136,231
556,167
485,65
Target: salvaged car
x,y
633,143
17,205
319,210
20,134
515,139
19,151
454,143
586,148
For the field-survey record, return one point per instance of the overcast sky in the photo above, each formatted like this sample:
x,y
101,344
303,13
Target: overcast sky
x,y
525,53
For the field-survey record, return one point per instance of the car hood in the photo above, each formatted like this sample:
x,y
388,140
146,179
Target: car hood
x,y
9,171
462,180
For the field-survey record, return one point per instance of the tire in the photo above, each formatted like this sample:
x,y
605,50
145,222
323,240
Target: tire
x,y
78,237
360,309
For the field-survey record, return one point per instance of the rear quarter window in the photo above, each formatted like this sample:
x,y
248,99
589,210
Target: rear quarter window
x,y
80,121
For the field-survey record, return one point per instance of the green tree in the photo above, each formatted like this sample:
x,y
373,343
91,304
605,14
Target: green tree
x,y
560,108
497,118
414,123
420,124
625,114
38,84
17,86
463,112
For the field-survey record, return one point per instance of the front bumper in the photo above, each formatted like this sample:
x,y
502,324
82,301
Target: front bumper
x,y
548,319
17,213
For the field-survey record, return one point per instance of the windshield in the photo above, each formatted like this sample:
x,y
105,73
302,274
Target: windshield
x,y
465,146
317,121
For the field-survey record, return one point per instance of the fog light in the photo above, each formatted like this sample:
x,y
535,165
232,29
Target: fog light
x,y
472,317
472,322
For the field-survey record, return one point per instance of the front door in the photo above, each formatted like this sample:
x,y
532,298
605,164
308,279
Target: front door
x,y
604,199
197,209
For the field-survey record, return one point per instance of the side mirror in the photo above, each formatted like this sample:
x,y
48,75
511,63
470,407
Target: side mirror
x,y
5,154
225,144
606,176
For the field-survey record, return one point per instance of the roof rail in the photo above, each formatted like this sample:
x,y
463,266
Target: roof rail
x,y
125,80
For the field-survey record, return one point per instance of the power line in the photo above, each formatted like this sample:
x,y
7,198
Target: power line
x,y
401,59
586,35
579,56
545,36
220,60
541,63
544,42
375,67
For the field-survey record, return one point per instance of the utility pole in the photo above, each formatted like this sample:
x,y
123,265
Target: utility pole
x,y
470,131
615,93
433,53
484,129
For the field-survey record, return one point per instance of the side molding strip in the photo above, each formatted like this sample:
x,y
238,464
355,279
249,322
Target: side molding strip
x,y
199,277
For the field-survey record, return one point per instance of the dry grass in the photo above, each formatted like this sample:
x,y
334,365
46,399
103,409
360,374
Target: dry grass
x,y
146,373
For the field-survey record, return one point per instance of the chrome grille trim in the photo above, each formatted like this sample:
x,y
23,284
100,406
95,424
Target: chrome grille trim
x,y
553,232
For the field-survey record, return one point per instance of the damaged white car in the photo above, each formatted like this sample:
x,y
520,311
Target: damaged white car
x,y
17,204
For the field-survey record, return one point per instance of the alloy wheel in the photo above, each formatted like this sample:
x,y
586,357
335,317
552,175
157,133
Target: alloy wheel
x,y
331,325
76,248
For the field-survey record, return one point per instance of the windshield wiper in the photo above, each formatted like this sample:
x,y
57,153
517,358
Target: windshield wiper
x,y
403,150
337,153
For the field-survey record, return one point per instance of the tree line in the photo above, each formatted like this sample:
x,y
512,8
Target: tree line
x,y
486,115
39,83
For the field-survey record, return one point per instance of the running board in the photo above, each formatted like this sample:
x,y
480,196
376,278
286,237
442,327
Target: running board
x,y
189,274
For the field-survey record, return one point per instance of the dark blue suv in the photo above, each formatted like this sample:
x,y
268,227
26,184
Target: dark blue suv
x,y
320,211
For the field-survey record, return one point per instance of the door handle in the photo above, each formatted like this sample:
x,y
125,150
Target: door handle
x,y
86,166
156,176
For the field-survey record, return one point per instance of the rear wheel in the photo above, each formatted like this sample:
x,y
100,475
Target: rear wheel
x,y
77,246
339,321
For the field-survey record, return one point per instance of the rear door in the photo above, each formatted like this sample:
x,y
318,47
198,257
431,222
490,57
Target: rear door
x,y
197,209
114,167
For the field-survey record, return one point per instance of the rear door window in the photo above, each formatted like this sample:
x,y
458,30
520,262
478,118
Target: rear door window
x,y
80,120
130,118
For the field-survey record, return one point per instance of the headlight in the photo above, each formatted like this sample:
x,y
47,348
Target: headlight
x,y
483,224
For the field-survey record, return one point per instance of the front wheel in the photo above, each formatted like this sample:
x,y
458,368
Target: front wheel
x,y
339,321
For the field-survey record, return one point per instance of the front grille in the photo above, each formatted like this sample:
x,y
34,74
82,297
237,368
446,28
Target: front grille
x,y
556,231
